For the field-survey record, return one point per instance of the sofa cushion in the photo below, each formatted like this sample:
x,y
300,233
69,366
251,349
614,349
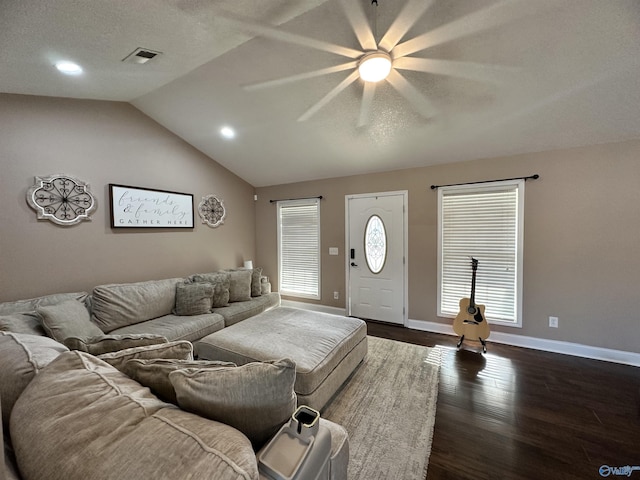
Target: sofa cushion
x,y
154,373
118,305
193,298
83,419
256,398
11,467
180,350
221,283
29,323
175,327
101,344
67,319
8,464
21,357
238,311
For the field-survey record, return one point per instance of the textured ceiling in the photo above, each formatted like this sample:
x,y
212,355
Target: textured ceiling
x,y
503,77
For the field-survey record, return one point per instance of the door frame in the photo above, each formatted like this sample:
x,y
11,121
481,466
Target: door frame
x,y
405,247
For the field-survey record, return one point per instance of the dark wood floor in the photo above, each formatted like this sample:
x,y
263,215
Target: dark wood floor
x,y
516,413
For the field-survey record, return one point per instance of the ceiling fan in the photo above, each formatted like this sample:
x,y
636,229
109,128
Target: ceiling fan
x,y
392,52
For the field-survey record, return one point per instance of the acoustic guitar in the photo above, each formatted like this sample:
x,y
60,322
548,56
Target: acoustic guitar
x,y
471,322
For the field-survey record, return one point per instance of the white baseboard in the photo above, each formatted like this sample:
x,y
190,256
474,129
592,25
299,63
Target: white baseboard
x,y
555,346
314,307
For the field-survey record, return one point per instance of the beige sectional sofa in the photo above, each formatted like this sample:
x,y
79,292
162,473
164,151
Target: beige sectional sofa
x,y
76,414
144,308
71,415
149,308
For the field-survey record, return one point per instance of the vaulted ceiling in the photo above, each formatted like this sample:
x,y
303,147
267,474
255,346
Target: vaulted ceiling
x,y
471,79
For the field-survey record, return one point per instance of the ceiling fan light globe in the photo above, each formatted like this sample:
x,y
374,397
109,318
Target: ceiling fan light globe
x,y
375,67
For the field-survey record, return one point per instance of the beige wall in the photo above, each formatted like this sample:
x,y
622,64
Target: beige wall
x,y
102,143
582,222
582,238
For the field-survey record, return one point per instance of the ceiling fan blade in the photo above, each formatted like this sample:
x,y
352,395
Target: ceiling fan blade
x,y
360,24
470,70
408,16
367,101
492,16
418,101
274,33
301,76
329,96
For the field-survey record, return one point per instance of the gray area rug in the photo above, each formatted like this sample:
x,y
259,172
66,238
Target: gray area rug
x,y
388,407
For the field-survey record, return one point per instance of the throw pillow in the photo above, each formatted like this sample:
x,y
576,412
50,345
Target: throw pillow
x,y
154,373
112,343
256,398
178,350
256,287
22,323
220,295
68,319
240,285
221,283
193,298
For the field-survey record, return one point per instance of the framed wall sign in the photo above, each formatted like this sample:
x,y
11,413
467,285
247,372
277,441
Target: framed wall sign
x,y
136,207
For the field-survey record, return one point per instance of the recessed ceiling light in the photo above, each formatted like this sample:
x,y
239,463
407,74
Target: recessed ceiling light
x,y
69,68
228,132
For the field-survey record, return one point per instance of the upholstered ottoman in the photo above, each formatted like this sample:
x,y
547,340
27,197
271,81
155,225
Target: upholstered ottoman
x,y
326,348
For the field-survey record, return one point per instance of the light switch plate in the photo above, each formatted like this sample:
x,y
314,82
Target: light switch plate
x,y
333,250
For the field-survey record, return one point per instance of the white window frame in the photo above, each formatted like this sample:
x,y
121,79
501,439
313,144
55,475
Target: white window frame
x,y
311,254
477,251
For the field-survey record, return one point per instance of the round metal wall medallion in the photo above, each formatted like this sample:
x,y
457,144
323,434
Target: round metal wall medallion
x,y
62,199
212,211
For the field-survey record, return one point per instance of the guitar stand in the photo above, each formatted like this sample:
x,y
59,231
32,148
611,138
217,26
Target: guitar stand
x,y
483,342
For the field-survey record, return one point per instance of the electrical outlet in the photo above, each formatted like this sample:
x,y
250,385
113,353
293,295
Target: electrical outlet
x,y
336,295
553,322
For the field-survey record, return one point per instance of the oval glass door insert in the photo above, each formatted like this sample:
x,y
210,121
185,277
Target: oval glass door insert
x,y
375,244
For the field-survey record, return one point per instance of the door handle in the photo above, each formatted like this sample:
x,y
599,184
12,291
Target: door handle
x,y
353,264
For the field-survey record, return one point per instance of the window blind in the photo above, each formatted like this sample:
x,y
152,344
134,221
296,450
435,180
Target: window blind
x,y
299,247
483,223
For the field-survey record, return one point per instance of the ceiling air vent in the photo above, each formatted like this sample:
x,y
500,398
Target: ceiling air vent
x,y
140,56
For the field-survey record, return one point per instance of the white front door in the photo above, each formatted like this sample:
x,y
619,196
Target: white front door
x,y
376,251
